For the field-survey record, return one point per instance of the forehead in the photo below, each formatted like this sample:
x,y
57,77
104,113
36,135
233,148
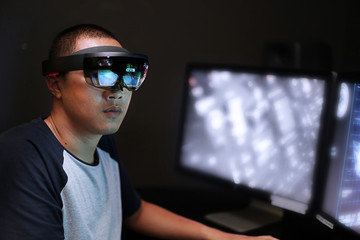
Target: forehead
x,y
84,42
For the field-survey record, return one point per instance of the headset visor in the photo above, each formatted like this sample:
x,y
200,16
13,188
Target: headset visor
x,y
113,70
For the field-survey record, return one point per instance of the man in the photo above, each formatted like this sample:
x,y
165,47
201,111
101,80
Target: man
x,y
61,177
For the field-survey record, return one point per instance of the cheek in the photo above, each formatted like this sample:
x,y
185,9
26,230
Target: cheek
x,y
125,103
82,101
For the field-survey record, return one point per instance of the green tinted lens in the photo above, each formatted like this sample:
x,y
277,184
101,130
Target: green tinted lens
x,y
134,75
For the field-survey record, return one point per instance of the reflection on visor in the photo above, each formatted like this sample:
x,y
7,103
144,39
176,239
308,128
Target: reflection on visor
x,y
131,77
132,80
107,78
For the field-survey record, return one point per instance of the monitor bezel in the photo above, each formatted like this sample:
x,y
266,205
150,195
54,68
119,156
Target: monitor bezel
x,y
218,182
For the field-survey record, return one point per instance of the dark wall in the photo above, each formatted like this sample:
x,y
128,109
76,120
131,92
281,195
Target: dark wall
x,y
172,33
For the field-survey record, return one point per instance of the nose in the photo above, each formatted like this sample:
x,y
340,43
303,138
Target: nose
x,y
113,95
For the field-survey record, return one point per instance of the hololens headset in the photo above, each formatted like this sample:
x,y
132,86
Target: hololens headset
x,y
106,67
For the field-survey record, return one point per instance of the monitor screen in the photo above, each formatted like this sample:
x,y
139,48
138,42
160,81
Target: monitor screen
x,y
255,128
341,199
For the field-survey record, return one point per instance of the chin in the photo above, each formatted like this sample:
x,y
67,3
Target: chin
x,y
110,129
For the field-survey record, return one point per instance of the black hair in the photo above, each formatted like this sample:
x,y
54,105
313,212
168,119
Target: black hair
x,y
65,42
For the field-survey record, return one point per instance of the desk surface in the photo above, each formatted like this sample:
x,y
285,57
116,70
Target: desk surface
x,y
195,204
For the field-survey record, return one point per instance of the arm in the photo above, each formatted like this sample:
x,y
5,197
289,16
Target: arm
x,y
153,220
30,203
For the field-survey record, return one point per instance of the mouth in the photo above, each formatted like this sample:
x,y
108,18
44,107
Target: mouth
x,y
113,111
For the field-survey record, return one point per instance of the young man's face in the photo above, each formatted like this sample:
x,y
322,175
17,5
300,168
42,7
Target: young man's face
x,y
88,109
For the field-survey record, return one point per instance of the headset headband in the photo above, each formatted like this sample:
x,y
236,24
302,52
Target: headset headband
x,y
75,61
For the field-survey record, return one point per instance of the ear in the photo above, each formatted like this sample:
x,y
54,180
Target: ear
x,y
52,83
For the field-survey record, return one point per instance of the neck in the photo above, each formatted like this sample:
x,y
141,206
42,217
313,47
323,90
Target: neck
x,y
80,145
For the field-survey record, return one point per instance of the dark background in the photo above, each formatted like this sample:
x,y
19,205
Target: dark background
x,y
172,33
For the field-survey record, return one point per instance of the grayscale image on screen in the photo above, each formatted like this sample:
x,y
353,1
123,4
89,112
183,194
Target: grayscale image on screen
x,y
257,130
342,188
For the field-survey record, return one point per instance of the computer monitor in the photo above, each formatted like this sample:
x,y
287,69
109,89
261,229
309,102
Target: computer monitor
x,y
259,130
340,203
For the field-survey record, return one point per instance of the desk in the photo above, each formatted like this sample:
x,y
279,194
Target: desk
x,y
195,204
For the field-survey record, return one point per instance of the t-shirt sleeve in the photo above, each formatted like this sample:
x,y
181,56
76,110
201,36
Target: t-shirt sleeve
x,y
30,204
131,200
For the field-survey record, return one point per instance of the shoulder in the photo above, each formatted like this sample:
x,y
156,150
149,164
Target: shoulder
x,y
28,141
30,165
35,130
31,156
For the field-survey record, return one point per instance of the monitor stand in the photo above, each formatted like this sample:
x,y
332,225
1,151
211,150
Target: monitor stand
x,y
256,215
